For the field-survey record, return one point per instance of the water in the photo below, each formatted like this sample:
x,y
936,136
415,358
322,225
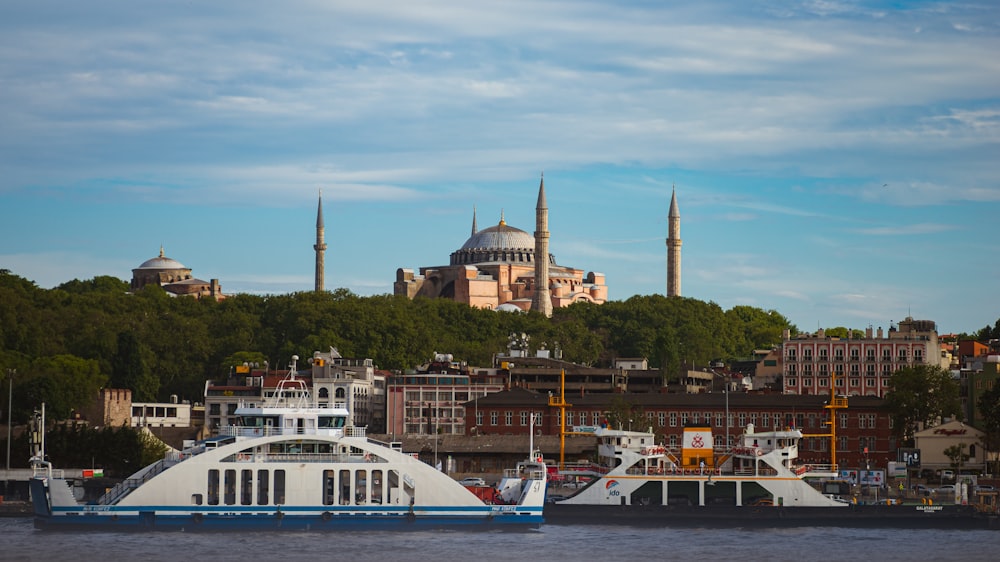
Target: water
x,y
589,543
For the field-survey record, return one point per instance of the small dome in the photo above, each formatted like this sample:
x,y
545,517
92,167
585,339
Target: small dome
x,y
161,262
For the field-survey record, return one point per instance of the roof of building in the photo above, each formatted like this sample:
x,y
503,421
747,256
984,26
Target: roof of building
x,y
500,237
161,262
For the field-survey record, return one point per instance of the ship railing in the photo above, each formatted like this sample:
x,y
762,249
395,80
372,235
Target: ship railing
x,y
123,488
270,431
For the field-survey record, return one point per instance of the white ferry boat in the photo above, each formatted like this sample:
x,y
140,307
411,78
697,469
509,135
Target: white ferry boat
x,y
759,470
759,482
291,465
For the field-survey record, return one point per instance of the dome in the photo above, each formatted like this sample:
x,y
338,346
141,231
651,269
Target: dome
x,y
161,262
500,237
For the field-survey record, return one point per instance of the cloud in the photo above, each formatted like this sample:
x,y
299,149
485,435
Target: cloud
x,y
907,229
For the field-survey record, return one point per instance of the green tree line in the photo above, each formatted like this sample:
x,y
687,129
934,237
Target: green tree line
x,y
68,342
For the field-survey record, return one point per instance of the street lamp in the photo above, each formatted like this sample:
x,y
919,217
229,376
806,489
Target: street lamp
x,y
10,394
726,390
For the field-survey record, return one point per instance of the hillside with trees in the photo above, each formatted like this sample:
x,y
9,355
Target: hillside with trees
x,y
68,342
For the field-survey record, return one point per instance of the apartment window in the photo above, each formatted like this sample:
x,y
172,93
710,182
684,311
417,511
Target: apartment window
x,y
661,417
790,381
569,418
807,382
843,421
791,354
494,418
871,354
807,369
673,419
791,369
807,354
824,382
886,355
479,418
855,382
524,418
684,418
822,355
823,370
673,441
743,419
855,355
718,419
902,354
765,419
753,418
838,354
695,418
843,444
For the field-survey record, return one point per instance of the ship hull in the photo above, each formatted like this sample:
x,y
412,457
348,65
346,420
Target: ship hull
x,y
862,516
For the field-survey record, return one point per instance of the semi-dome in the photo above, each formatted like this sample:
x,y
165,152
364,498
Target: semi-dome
x,y
161,262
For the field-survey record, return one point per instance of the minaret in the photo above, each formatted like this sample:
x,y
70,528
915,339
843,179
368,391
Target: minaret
x,y
542,299
474,229
674,248
320,246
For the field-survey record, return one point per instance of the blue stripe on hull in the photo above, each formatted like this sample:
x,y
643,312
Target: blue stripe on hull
x,y
290,522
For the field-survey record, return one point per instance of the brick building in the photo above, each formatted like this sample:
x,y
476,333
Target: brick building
x,y
865,424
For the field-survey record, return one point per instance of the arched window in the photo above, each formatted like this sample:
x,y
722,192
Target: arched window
x,y
341,394
324,392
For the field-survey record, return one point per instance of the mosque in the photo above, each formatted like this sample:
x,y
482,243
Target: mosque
x,y
174,278
498,268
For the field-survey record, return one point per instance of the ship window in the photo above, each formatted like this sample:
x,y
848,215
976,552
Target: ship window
x,y
360,485
246,487
230,484
213,487
377,483
262,487
345,487
279,487
196,499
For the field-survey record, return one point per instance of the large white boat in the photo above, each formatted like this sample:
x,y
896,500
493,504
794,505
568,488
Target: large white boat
x,y
758,482
291,464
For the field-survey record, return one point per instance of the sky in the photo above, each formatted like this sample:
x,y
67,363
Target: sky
x,y
835,161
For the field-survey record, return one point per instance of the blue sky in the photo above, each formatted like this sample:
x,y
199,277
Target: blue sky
x,y
838,162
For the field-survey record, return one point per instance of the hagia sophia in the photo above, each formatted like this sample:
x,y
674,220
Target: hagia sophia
x,y
496,268
500,268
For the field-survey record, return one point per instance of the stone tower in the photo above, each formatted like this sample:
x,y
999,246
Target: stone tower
x,y
320,247
674,248
542,299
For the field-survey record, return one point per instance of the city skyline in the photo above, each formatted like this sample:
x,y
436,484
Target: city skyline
x,y
833,161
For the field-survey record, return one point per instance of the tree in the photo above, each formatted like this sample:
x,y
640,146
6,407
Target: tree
x,y
920,396
989,409
129,370
956,453
626,415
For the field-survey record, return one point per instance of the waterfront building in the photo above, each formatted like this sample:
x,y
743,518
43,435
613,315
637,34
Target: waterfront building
x,y
432,399
862,366
863,429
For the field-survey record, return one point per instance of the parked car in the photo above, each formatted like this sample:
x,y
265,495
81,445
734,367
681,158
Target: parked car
x,y
923,490
984,488
947,489
947,475
478,482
